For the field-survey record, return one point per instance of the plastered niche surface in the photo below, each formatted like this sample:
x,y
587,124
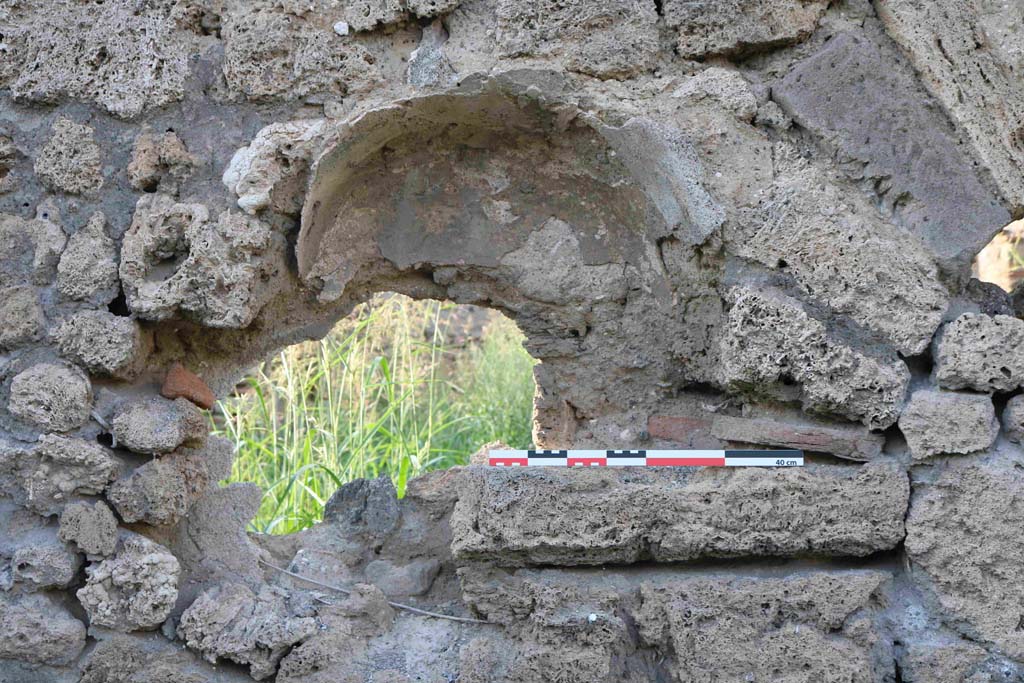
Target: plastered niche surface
x,y
717,223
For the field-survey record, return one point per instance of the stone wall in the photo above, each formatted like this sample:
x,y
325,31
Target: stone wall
x,y
717,222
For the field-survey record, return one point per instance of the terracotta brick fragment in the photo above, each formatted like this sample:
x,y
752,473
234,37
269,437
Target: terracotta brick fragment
x,y
846,441
183,383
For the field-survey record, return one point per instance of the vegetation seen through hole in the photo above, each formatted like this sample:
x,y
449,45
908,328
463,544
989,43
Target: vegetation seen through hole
x,y
398,388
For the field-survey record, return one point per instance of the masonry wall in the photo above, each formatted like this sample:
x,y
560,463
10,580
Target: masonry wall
x,y
718,223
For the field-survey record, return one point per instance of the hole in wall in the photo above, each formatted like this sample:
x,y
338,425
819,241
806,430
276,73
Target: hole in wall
x,y
398,388
1001,262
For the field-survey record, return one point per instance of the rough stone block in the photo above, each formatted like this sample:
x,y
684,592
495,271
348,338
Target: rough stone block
x,y
230,621
968,55
36,628
61,467
414,578
963,537
42,560
737,27
53,396
846,441
941,422
869,108
770,338
135,589
156,425
677,515
87,270
161,491
93,528
943,661
29,250
70,161
104,343
216,265
160,163
1013,418
981,352
22,320
604,38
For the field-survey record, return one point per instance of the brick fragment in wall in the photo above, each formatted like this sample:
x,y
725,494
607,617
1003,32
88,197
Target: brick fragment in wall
x,y
677,515
855,442
942,422
980,352
180,382
858,98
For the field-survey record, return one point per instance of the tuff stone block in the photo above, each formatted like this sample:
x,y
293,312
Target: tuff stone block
x,y
981,352
104,343
940,422
155,425
55,396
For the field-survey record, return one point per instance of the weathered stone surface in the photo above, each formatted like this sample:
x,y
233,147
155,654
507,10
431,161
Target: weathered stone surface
x,y
677,515
771,338
981,352
29,249
942,422
735,27
414,578
720,627
968,55
963,535
840,253
41,560
93,528
1013,418
232,622
61,467
157,425
270,171
161,491
22,320
160,163
36,628
428,65
87,270
215,269
54,396
612,39
180,382
104,343
133,590
270,53
148,658
870,110
846,441
70,162
731,627
941,662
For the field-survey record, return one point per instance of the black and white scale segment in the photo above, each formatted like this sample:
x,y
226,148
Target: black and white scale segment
x,y
685,458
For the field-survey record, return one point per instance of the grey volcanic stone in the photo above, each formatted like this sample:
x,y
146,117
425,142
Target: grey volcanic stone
x,y
770,338
981,352
677,515
938,422
22,320
157,425
60,467
104,343
232,622
29,249
735,27
36,628
70,161
963,537
87,270
42,560
869,108
133,590
54,396
93,528
1013,418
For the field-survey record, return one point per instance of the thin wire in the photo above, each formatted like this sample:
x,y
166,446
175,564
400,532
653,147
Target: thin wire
x,y
396,605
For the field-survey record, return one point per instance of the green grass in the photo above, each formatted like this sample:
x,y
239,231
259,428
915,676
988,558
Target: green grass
x,y
377,396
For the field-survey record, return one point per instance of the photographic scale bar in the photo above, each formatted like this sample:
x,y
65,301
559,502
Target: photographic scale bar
x,y
689,458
